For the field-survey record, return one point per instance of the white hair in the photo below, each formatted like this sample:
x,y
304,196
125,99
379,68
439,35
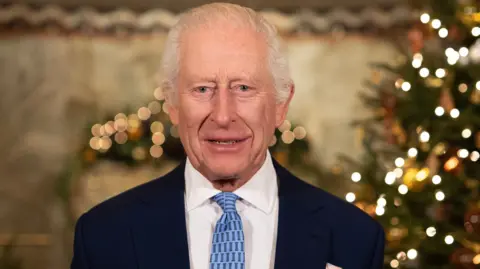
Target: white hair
x,y
209,15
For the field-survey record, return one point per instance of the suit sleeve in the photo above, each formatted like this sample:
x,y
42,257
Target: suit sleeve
x,y
79,260
379,249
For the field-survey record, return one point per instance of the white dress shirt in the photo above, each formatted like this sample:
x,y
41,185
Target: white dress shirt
x,y
258,208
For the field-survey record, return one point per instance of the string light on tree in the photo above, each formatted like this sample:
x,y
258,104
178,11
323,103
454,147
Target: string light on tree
x,y
454,113
381,201
443,33
462,88
474,156
401,256
356,177
412,254
399,162
412,152
299,132
439,195
439,111
380,210
463,51
449,239
390,178
476,31
288,137
436,23
424,72
449,51
121,138
406,86
350,197
466,133
156,151
403,189
398,172
144,113
436,179
425,18
431,231
463,153
417,60
424,136
440,73
155,107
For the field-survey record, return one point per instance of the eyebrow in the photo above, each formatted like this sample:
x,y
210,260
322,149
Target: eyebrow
x,y
214,79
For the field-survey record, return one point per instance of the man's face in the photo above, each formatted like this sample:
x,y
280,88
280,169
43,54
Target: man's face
x,y
226,111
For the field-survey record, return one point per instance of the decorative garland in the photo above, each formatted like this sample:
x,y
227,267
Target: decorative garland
x,y
155,20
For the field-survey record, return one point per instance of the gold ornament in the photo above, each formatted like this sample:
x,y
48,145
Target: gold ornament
x,y
433,82
475,97
451,164
414,179
471,19
135,133
440,148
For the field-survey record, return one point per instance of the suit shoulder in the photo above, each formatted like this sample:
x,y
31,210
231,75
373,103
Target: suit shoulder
x,y
123,203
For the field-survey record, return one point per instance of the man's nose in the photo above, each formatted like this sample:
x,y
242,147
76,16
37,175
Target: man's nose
x,y
223,107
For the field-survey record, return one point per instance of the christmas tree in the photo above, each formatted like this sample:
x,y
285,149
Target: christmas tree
x,y
420,174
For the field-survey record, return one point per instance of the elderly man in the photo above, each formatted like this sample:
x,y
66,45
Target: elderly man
x,y
229,204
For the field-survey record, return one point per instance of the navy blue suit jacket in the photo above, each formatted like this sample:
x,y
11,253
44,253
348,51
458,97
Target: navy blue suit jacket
x,y
145,228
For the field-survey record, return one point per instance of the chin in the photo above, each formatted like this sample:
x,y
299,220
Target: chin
x,y
225,168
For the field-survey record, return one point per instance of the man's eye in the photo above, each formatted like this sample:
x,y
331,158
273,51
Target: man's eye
x,y
244,88
202,89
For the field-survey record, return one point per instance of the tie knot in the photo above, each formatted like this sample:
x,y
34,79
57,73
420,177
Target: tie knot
x,y
226,200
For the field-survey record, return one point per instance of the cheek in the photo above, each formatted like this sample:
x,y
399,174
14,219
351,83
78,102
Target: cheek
x,y
192,116
260,118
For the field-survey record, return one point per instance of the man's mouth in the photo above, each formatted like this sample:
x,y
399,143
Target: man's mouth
x,y
225,142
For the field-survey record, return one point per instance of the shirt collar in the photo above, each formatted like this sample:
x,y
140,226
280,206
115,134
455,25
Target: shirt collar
x,y
260,190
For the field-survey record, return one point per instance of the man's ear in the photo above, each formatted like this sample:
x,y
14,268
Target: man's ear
x,y
172,109
172,113
282,108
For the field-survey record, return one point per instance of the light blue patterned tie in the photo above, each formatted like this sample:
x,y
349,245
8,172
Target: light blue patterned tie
x,y
228,251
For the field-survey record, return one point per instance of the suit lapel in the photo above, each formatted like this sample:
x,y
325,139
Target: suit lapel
x,y
303,234
160,235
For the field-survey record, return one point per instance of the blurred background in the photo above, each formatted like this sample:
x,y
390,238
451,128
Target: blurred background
x,y
386,116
